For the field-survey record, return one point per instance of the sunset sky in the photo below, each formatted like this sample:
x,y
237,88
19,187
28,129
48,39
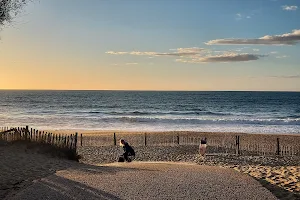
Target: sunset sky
x,y
153,45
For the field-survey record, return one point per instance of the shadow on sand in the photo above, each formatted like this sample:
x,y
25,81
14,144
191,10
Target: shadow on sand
x,y
57,187
279,192
21,166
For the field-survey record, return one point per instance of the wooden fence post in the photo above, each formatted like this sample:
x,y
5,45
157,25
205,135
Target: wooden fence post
x,y
75,142
278,147
68,141
115,139
178,138
65,142
26,132
59,140
237,142
52,138
81,139
145,139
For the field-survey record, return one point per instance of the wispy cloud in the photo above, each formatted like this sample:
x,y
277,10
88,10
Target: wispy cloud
x,y
289,8
196,55
240,16
284,39
255,49
131,63
116,53
241,49
176,52
283,56
247,14
273,52
131,53
223,58
286,76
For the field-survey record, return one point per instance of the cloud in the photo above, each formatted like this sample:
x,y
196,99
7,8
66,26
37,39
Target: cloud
x,y
116,53
255,49
286,76
240,16
177,52
227,57
195,55
284,39
289,8
239,49
137,53
273,52
284,56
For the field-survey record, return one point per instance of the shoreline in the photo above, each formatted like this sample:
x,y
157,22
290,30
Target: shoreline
x,y
94,132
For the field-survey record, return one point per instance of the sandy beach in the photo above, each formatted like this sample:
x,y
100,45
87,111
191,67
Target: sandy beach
x,y
122,132
266,144
279,174
146,180
23,165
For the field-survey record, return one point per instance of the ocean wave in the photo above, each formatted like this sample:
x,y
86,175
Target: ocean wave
x,y
137,113
289,117
203,121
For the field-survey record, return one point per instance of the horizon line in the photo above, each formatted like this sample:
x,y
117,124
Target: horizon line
x,y
120,90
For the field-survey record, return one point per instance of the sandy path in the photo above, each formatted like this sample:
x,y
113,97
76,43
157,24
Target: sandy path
x,y
146,180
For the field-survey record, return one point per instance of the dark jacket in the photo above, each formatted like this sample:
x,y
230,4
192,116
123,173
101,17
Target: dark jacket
x,y
203,141
128,149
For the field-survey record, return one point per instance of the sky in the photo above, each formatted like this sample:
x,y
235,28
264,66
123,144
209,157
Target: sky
x,y
199,45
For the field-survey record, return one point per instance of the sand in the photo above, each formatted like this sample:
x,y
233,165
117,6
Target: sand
x,y
110,132
21,166
266,144
142,180
286,177
279,174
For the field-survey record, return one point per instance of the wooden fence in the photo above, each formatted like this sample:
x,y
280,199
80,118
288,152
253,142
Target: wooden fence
x,y
60,141
242,144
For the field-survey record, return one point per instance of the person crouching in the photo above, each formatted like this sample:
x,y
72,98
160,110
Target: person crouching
x,y
129,153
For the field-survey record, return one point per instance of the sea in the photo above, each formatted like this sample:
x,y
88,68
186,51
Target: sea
x,y
248,112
